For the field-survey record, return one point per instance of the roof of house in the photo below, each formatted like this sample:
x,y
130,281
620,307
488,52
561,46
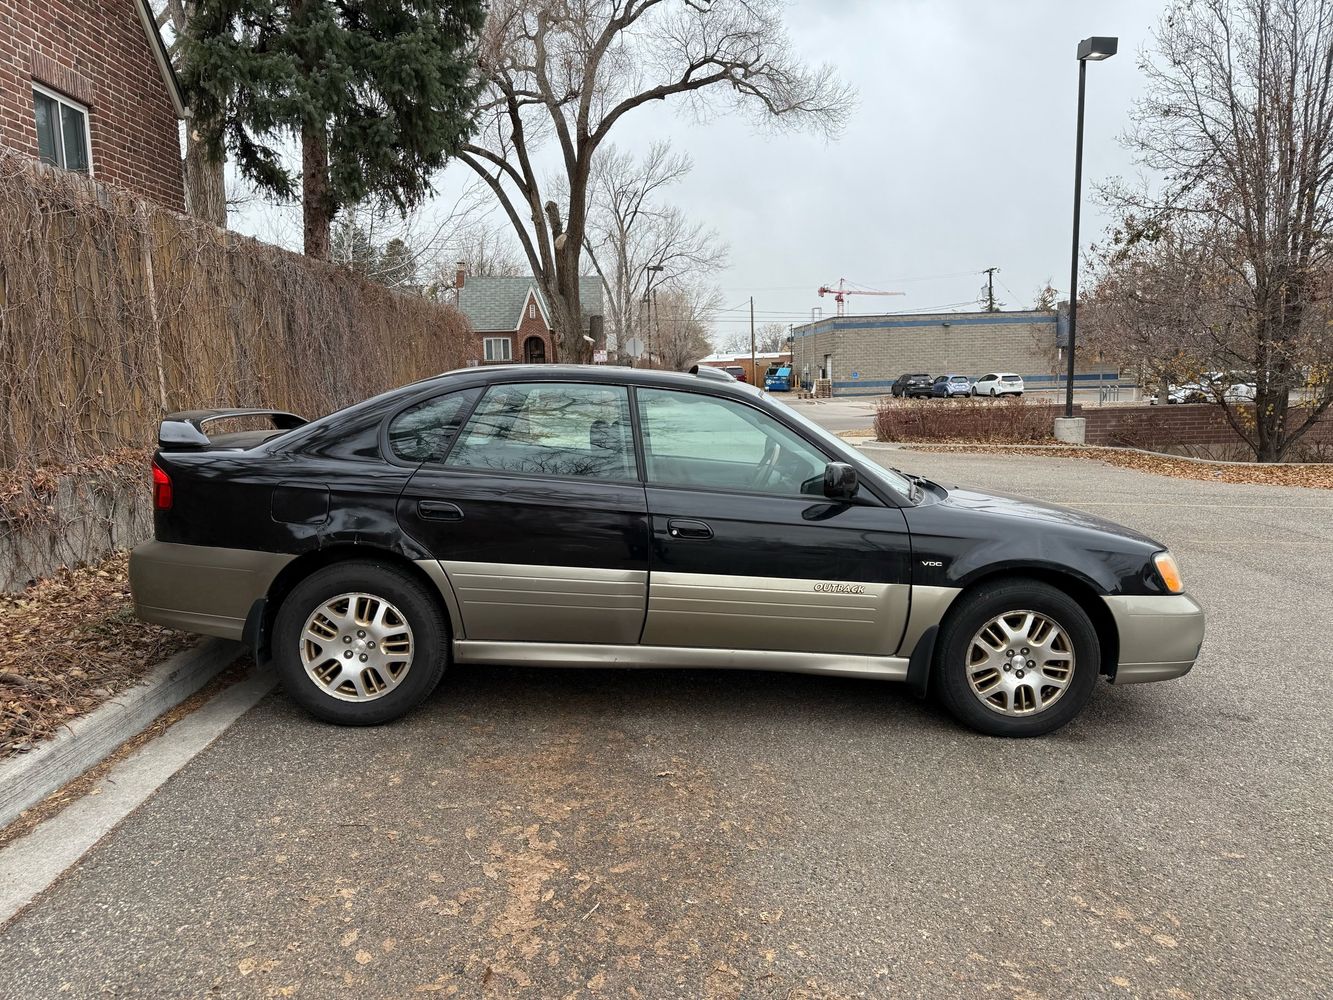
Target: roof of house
x,y
497,303
162,57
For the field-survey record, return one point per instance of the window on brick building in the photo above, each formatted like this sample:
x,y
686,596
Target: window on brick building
x,y
62,131
499,349
532,310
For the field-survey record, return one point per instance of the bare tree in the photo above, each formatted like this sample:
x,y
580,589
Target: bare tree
x,y
572,70
682,324
630,230
205,190
770,337
1238,121
1147,310
484,251
1047,298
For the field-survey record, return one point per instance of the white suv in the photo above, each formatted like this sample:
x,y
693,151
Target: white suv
x,y
998,384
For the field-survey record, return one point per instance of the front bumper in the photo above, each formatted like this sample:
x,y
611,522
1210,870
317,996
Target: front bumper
x,y
1159,636
200,588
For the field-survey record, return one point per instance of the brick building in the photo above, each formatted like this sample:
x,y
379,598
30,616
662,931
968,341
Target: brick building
x,y
511,320
864,354
86,85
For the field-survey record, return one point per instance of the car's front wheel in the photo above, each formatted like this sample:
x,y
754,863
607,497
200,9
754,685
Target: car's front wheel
x,y
1016,658
360,643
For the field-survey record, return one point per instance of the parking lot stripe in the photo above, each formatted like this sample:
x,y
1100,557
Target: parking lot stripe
x,y
30,865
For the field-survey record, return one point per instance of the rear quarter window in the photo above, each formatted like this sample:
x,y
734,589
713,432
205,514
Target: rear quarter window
x,y
424,431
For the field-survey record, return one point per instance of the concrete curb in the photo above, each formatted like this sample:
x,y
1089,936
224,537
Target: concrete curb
x,y
85,743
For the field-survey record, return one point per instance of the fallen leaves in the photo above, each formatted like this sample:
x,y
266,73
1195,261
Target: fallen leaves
x,y
1313,475
74,643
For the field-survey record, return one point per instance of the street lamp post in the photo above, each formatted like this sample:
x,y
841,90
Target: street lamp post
x,y
1095,49
650,299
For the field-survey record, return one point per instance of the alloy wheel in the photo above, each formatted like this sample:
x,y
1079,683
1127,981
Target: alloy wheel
x,y
1020,663
356,647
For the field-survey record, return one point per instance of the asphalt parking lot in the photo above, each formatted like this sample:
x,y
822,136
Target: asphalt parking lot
x,y
701,834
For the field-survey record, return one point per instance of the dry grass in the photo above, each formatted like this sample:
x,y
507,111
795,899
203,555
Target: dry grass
x,y
74,644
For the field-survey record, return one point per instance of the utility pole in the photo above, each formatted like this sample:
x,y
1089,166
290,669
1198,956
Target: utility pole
x,y
752,372
990,288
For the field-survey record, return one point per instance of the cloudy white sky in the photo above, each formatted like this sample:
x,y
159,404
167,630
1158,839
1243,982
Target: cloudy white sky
x,y
958,157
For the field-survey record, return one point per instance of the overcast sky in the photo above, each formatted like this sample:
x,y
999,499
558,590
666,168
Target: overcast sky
x,y
958,157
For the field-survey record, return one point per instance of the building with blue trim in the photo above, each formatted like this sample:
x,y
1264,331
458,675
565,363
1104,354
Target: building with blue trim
x,y
863,355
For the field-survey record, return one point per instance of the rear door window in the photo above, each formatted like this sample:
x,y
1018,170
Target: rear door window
x,y
550,429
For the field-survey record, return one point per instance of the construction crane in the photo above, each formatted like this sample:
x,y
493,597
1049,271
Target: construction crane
x,y
842,290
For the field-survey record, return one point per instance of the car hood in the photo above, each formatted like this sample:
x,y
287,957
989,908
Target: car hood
x,y
1036,512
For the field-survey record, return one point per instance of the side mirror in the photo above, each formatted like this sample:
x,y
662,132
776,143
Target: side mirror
x,y
840,481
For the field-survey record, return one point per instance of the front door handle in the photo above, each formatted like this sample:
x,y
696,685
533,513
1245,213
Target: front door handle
x,y
679,527
439,510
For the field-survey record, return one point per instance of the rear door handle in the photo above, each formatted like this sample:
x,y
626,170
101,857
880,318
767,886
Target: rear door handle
x,y
679,527
439,510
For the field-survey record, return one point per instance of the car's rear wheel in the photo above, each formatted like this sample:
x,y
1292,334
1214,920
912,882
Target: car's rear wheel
x,y
992,390
360,643
1017,658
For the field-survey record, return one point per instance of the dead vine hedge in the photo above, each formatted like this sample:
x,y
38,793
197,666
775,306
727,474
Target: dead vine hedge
x,y
113,312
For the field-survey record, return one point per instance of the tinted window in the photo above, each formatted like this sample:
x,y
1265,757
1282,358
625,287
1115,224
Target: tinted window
x,y
551,429
706,442
424,431
1011,378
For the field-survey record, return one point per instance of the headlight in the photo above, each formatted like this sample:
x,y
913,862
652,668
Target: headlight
x,y
1169,572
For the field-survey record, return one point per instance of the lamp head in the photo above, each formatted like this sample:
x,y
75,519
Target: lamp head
x,y
1097,48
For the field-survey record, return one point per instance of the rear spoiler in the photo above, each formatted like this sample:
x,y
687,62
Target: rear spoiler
x,y
185,430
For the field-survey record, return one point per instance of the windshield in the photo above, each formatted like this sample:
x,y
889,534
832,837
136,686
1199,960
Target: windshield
x,y
836,444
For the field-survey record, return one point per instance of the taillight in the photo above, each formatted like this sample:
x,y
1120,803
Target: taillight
x,y
161,488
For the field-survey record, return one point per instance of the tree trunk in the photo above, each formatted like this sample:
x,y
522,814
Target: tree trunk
x,y
205,192
317,206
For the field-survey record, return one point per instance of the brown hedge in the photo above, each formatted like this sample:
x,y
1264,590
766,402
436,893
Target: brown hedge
x,y
1002,421
113,311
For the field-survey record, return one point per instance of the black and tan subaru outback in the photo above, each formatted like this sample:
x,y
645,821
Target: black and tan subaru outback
x,y
589,516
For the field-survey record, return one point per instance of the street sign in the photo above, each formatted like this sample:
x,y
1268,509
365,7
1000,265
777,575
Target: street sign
x,y
634,347
599,357
856,374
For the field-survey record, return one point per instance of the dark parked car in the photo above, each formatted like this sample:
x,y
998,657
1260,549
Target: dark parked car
x,y
948,386
736,372
911,386
590,516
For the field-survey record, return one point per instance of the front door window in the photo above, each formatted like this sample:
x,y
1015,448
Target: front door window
x,y
704,442
534,351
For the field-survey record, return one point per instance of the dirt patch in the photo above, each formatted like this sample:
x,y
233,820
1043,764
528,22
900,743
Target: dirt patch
x,y
74,643
1314,476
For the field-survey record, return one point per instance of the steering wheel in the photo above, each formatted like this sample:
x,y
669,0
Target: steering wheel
x,y
763,472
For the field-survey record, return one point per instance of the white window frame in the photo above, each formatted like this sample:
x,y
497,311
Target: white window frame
x,y
532,309
82,109
507,352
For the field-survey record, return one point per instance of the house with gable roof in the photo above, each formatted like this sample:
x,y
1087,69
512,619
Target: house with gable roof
x,y
512,321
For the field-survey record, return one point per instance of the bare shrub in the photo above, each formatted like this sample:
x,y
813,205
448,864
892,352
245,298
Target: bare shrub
x,y
998,421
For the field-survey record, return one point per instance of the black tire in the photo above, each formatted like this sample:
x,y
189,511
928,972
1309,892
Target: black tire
x,y
973,611
418,606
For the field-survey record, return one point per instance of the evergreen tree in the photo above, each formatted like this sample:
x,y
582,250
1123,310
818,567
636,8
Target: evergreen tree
x,y
379,92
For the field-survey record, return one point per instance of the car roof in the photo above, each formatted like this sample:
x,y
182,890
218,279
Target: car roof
x,y
609,374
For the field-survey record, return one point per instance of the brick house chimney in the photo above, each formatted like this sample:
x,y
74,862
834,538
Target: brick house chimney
x,y
462,273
